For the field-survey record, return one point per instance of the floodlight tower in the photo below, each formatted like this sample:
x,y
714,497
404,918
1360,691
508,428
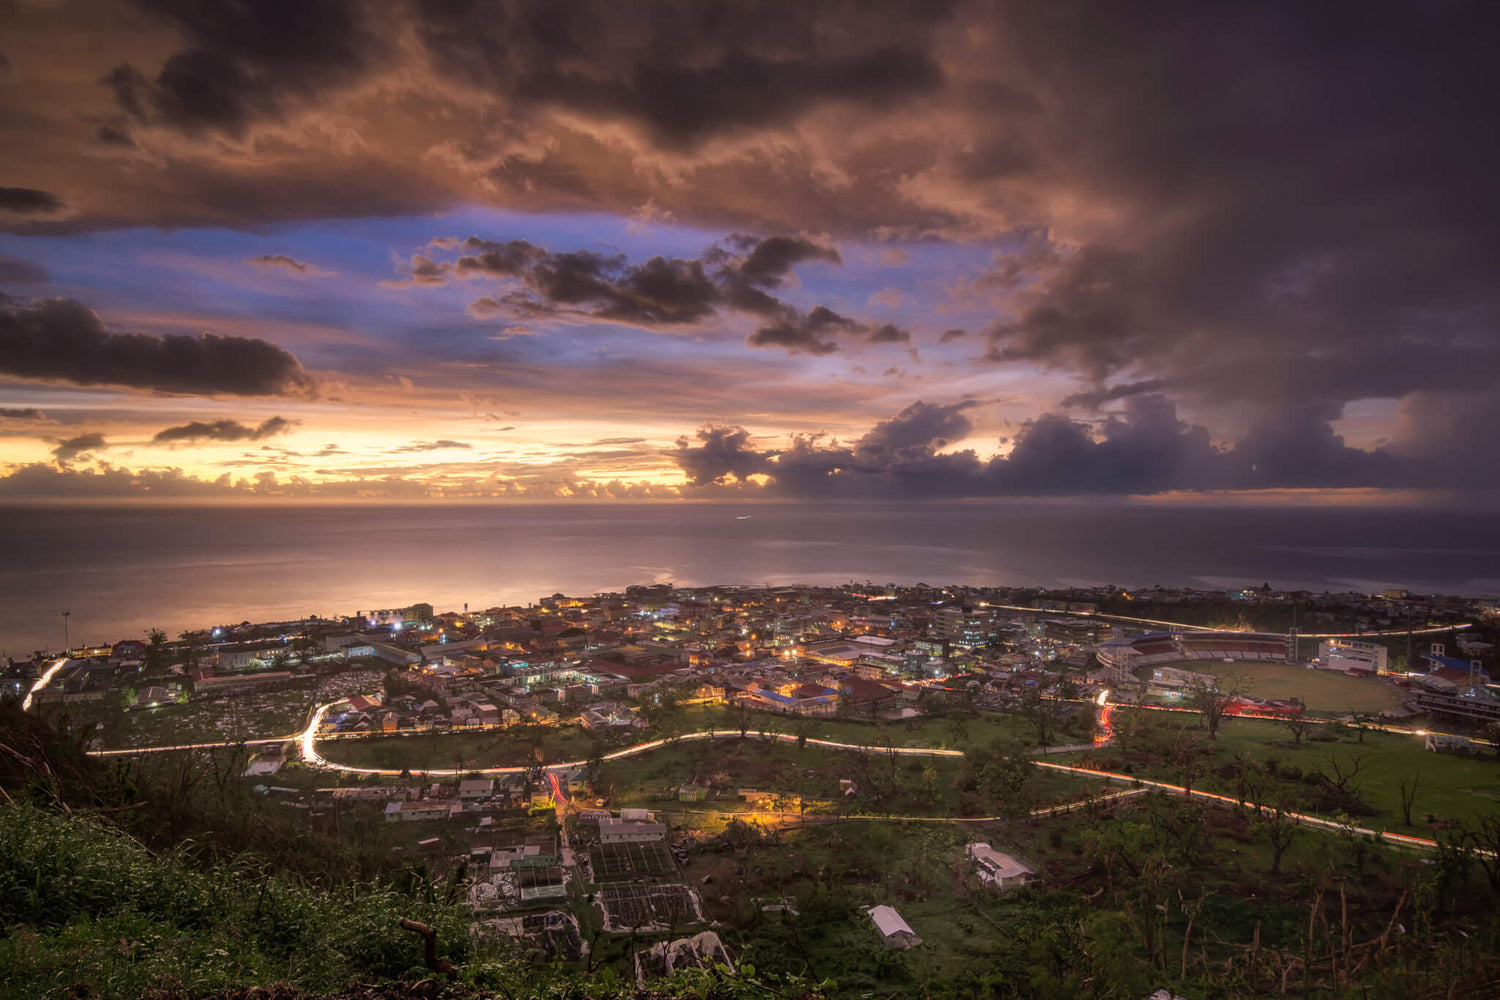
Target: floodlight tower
x,y
66,645
1291,637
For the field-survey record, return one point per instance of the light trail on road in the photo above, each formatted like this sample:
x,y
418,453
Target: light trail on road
x,y
1210,628
42,682
308,738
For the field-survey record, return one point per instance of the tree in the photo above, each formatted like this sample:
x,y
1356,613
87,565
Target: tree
x,y
1213,696
156,640
930,781
189,651
1280,827
593,767
1299,727
1360,848
1360,722
1003,775
1340,774
1042,713
958,728
1185,749
1409,796
1483,840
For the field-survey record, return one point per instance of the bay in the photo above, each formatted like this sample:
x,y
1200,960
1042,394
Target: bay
x,y
121,570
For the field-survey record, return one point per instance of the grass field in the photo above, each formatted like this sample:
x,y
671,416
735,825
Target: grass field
x,y
507,747
461,750
1322,691
914,786
1448,786
933,732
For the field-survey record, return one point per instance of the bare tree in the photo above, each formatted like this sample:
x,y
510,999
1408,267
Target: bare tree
x,y
1409,796
1042,713
1340,774
1298,727
1281,828
1213,696
1483,838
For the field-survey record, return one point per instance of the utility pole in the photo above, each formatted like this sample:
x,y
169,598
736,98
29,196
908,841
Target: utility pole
x,y
66,646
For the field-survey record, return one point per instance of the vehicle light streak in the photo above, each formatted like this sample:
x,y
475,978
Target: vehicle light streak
x,y
307,741
42,682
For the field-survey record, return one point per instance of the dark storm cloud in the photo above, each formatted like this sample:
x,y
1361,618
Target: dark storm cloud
x,y
1296,192
283,262
813,332
28,201
15,271
242,61
658,292
64,340
685,70
221,430
111,136
737,275
804,334
76,447
1147,449
768,261
1097,397
919,428
720,452
26,413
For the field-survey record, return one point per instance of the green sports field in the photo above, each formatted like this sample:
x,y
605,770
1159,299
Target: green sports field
x,y
1322,691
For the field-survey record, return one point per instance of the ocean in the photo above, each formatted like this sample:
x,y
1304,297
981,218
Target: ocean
x,y
122,570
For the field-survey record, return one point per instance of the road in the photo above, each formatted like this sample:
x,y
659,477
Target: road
x,y
1210,628
307,741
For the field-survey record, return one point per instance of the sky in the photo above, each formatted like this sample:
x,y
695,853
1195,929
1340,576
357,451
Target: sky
x,y
399,249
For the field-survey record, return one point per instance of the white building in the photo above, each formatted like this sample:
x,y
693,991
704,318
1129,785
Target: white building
x,y
624,831
892,929
477,788
1351,656
1000,871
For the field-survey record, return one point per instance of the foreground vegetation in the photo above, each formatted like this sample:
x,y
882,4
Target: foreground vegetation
x,y
169,874
1385,780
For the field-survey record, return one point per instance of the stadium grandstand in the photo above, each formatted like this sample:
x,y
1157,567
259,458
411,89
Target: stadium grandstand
x,y
1125,656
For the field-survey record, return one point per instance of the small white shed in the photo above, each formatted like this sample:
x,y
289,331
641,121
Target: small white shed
x,y
892,929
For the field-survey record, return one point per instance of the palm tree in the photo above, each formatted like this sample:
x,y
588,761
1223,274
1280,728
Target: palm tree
x,y
157,639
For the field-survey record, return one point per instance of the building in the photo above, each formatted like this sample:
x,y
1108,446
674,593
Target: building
x,y
999,871
476,788
416,614
1350,656
203,683
625,831
1443,697
409,812
893,931
965,627
239,655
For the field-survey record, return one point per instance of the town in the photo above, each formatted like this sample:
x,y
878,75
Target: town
x,y
670,778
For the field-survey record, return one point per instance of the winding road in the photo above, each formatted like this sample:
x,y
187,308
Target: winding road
x,y
307,740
